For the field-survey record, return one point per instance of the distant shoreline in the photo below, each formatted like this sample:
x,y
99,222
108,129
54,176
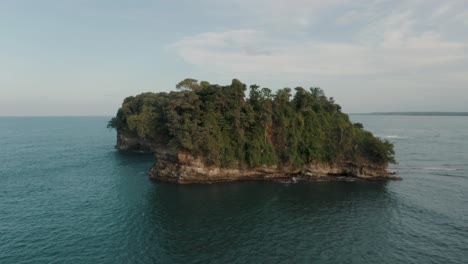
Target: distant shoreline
x,y
416,113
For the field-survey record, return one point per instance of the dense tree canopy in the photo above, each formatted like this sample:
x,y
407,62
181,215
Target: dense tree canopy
x,y
226,128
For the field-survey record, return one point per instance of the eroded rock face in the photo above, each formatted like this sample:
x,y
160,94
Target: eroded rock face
x,y
179,167
184,169
132,144
127,143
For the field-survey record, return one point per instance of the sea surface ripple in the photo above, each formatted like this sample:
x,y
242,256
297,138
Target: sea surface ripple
x,y
67,196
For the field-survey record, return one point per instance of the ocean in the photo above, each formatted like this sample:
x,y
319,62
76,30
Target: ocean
x,y
67,196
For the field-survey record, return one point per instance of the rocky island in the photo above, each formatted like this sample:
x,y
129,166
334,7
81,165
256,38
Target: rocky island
x,y
206,133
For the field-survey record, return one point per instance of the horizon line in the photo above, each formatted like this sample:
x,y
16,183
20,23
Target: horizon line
x,y
1,116
355,113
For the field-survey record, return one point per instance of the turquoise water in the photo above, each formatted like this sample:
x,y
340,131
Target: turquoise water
x,y
66,196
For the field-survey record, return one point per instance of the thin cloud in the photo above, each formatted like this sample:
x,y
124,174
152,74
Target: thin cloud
x,y
395,52
394,42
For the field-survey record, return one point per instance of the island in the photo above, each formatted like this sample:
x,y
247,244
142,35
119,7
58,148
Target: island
x,y
207,133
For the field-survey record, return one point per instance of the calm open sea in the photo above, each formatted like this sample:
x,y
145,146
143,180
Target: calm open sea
x,y
66,196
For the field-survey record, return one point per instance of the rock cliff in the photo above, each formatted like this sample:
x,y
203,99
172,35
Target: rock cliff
x,y
182,168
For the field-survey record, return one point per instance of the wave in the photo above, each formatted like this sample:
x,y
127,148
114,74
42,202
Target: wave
x,y
435,169
395,137
439,169
449,175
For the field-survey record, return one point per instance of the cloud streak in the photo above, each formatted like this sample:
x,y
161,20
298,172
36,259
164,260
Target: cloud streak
x,y
394,42
251,51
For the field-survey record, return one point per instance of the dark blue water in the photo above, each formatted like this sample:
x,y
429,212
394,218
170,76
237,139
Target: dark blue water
x,y
66,196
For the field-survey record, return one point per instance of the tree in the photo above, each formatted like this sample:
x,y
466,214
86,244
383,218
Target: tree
x,y
189,84
219,125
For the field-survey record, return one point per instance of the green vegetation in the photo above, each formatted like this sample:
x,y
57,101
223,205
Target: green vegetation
x,y
221,125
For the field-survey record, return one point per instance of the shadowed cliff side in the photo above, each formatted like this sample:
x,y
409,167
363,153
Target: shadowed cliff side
x,y
212,133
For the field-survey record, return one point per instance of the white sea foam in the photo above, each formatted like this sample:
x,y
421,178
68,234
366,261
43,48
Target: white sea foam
x,y
394,137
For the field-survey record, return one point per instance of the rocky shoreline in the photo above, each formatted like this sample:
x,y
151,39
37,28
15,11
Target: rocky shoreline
x,y
182,168
185,169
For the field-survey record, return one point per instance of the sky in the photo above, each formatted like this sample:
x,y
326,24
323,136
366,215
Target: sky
x,y
83,57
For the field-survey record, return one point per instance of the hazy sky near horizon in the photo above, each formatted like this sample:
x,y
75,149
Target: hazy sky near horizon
x,y
83,57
